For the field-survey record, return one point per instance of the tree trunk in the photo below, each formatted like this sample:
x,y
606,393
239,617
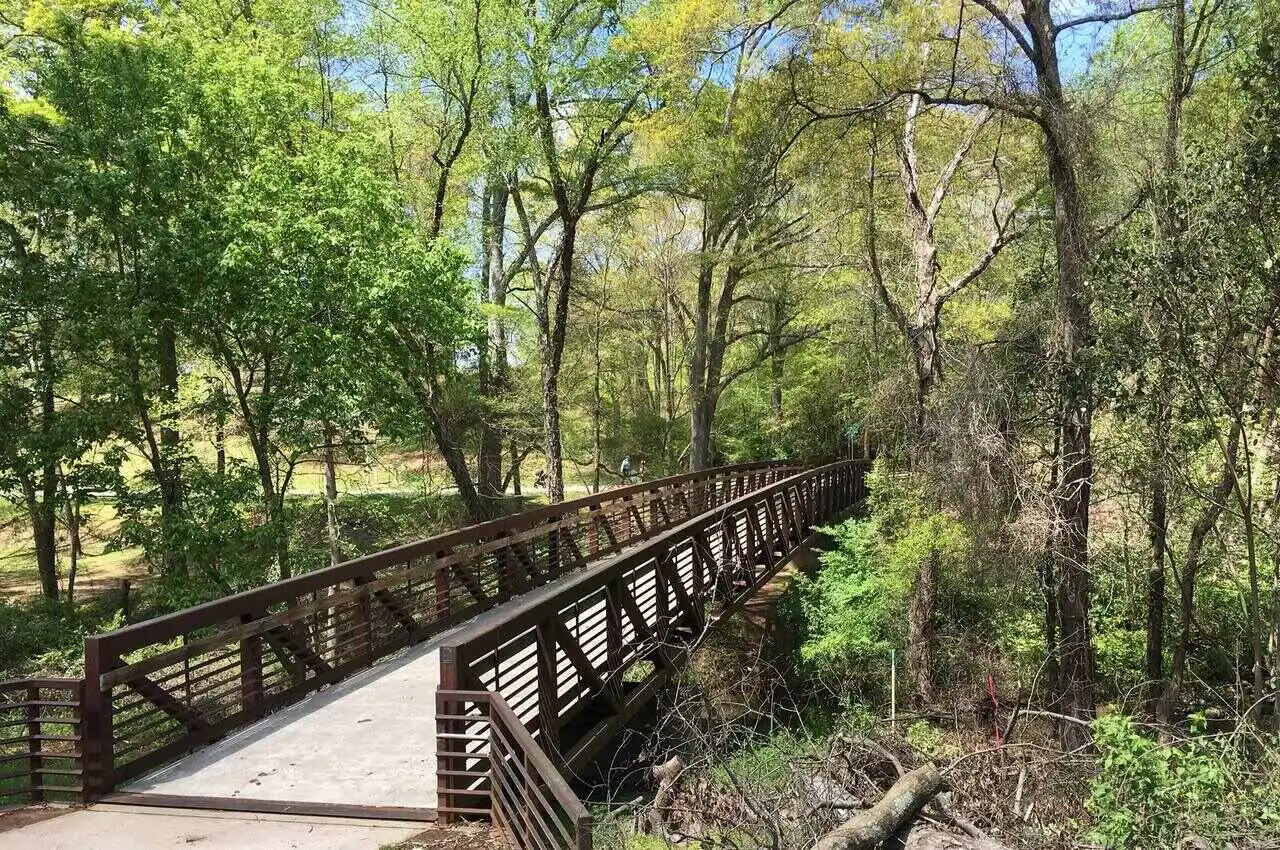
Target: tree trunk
x,y
333,531
868,830
596,404
1158,523
1170,227
1210,512
44,526
515,469
71,517
220,433
455,460
43,509
699,422
775,374
1074,695
493,371
922,627
554,324
922,612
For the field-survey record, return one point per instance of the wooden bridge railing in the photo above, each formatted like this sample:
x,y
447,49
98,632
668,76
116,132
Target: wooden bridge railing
x,y
158,688
576,660
40,743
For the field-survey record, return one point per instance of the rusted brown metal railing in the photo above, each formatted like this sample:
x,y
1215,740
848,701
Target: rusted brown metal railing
x,y
524,793
40,744
574,661
161,687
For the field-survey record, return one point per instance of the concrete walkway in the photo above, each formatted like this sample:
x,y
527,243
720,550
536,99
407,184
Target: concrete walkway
x,y
368,740
137,828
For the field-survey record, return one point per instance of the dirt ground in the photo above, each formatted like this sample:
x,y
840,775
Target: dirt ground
x,y
455,838
96,575
14,818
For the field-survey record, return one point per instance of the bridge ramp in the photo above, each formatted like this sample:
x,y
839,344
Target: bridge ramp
x,y
133,827
366,741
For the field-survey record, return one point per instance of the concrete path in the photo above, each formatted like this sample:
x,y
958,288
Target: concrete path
x,y
368,740
137,828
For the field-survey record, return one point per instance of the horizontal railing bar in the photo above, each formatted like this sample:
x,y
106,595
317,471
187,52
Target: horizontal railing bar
x,y
229,607
534,605
559,787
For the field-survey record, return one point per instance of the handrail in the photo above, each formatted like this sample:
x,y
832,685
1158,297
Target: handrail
x,y
280,591
525,792
158,688
40,752
574,661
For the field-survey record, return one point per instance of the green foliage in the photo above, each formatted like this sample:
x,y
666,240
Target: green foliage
x,y
850,612
930,741
767,765
368,523
847,611
41,637
218,539
1149,794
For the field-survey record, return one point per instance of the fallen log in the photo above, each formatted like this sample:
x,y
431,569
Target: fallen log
x,y
895,809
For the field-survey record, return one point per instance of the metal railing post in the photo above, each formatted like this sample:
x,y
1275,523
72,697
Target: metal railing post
x,y
96,723
35,764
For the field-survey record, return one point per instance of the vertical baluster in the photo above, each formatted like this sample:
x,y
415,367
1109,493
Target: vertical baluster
x,y
548,688
364,621
526,797
553,553
613,629
440,578
593,532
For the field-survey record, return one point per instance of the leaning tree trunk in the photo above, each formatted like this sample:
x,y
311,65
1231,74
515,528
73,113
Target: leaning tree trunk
x,y
1205,523
870,829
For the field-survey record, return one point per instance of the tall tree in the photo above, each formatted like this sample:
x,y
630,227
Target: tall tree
x,y
582,104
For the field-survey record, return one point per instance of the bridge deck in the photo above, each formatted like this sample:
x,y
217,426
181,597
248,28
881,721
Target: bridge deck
x,y
368,741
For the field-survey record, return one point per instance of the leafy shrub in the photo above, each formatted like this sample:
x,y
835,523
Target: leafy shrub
x,y
47,638
216,545
930,741
847,610
1149,794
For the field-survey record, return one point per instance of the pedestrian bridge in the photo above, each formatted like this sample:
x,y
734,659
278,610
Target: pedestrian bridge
x,y
460,676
